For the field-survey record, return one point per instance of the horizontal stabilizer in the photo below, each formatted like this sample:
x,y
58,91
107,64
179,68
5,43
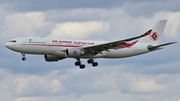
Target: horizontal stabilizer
x,y
151,48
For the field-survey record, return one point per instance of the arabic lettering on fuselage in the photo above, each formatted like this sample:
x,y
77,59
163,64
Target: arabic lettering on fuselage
x,y
73,42
84,43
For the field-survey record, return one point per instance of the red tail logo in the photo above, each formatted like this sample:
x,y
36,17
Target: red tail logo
x,y
154,36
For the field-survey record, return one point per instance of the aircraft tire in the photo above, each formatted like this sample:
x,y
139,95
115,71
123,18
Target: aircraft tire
x,y
94,64
77,63
89,61
24,58
82,66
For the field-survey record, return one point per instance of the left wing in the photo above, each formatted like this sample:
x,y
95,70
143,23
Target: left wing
x,y
95,49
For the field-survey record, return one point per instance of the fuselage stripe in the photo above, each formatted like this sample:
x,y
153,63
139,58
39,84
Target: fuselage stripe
x,y
118,47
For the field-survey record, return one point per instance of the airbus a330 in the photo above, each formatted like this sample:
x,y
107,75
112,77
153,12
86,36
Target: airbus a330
x,y
59,49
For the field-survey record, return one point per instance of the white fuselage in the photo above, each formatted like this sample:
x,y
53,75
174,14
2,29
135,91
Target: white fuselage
x,y
57,47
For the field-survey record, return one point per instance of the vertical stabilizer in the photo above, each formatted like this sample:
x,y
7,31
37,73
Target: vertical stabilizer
x,y
156,33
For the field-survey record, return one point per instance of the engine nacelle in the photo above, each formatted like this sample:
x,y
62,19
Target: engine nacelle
x,y
51,58
73,52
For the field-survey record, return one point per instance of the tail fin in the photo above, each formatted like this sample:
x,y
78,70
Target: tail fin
x,y
155,34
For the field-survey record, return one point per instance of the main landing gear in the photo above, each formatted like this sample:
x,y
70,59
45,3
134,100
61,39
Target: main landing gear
x,y
82,66
23,57
78,63
91,61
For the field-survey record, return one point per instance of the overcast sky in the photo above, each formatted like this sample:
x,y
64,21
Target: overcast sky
x,y
153,76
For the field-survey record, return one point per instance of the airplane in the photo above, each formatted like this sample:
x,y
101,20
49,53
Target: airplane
x,y
59,49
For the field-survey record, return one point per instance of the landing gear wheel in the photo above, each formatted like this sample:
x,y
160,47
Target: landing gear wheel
x,y
77,63
82,66
94,64
90,61
24,58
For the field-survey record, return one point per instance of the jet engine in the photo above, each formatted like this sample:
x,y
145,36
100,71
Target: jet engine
x,y
51,58
74,52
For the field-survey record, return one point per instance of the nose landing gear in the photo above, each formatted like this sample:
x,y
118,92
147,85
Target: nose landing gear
x,y
23,56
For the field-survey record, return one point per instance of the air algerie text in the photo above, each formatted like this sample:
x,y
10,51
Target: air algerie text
x,y
73,42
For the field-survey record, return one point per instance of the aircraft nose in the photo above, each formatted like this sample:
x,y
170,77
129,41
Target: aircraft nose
x,y
7,45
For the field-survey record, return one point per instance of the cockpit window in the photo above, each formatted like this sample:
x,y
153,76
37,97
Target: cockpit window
x,y
12,41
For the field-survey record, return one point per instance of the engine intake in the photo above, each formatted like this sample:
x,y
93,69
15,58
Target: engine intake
x,y
51,58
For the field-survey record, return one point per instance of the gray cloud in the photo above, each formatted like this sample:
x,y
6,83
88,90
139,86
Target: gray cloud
x,y
94,82
137,8
33,5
